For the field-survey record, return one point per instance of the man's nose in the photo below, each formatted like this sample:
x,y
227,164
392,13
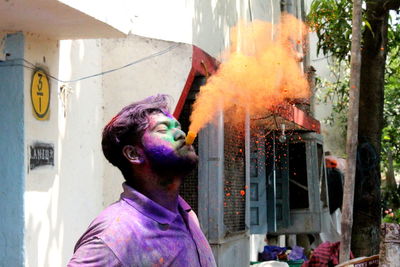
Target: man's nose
x,y
179,134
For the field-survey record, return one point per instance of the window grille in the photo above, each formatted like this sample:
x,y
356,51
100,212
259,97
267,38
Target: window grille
x,y
234,178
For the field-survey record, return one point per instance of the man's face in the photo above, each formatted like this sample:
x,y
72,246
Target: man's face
x,y
165,148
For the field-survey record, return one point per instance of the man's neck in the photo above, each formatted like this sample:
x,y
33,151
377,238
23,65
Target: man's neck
x,y
165,194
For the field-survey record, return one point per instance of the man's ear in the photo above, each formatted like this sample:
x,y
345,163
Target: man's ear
x,y
132,154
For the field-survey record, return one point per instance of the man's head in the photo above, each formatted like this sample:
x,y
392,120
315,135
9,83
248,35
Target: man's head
x,y
144,134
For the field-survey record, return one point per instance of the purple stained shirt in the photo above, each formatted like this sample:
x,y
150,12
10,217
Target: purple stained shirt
x,y
136,231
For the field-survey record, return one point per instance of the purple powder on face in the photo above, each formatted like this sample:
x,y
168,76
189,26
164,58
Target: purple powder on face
x,y
166,162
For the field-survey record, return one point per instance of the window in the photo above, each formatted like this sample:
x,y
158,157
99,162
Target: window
x,y
294,177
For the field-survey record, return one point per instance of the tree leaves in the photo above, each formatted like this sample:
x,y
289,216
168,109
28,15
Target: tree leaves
x,y
331,21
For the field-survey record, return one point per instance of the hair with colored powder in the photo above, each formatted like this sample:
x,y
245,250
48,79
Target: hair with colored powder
x,y
127,128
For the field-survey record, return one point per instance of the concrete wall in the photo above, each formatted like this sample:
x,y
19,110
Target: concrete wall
x,y
80,122
41,183
12,156
233,253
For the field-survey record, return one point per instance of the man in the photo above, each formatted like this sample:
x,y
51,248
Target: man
x,y
151,225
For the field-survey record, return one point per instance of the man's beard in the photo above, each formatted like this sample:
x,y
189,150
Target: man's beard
x,y
168,164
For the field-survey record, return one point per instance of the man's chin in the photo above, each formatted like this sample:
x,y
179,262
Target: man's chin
x,y
179,169
172,164
185,164
189,155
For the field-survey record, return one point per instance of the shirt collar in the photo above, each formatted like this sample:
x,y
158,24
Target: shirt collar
x,y
151,209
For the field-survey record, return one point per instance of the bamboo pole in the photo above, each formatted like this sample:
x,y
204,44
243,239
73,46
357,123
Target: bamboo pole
x,y
352,134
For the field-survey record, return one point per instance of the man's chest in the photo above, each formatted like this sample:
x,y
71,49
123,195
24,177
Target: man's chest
x,y
151,244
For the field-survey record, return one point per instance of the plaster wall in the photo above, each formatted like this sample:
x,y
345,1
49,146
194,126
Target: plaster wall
x,y
166,73
233,253
41,183
80,122
61,200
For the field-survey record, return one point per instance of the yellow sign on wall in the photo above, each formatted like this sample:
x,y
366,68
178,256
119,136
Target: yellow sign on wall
x,y
40,95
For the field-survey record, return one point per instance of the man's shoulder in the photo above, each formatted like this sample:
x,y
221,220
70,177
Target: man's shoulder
x,y
118,227
115,217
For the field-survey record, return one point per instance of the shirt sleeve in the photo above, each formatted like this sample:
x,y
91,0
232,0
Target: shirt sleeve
x,y
94,253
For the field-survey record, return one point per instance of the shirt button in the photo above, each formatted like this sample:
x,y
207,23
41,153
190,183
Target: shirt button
x,y
163,226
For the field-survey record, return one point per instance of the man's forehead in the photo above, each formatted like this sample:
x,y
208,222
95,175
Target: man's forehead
x,y
159,116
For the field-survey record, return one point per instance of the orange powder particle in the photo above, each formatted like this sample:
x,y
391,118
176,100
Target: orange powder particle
x,y
259,71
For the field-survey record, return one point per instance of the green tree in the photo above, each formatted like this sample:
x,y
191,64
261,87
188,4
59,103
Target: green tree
x,y
331,20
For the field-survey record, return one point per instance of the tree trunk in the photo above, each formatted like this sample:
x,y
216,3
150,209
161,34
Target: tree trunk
x,y
390,179
367,215
352,134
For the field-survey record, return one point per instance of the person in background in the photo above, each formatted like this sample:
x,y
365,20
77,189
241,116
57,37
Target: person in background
x,y
335,184
150,225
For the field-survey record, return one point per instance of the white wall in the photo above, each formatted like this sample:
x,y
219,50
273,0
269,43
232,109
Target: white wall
x,y
42,184
81,159
61,201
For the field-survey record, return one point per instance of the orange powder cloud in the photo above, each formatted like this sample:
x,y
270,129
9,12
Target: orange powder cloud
x,y
260,70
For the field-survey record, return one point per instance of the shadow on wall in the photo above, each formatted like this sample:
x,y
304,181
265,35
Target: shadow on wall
x,y
81,162
74,197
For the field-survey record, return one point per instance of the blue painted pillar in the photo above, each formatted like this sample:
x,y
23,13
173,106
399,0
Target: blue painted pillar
x,y
12,159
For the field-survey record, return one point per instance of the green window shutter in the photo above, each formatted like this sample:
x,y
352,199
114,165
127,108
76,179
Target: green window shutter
x,y
270,168
277,170
282,184
304,175
258,194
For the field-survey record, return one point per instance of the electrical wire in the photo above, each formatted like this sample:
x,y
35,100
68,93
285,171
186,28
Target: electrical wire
x,y
13,62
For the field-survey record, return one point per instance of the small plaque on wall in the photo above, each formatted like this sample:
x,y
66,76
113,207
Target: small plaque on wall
x,y
40,95
41,154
